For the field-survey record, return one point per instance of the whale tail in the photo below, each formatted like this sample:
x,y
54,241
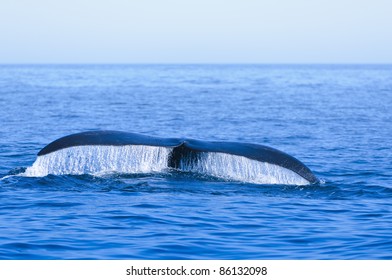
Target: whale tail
x,y
96,151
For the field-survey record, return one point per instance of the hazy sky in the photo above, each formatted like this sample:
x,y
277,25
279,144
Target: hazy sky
x,y
196,31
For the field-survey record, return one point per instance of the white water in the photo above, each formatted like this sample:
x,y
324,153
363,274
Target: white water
x,y
238,168
101,159
146,159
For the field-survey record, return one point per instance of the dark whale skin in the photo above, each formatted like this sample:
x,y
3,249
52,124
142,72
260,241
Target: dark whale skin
x,y
183,148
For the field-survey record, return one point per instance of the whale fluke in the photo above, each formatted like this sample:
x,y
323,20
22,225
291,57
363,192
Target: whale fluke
x,y
107,138
190,154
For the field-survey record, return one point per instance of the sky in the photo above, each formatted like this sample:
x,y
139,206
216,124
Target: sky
x,y
196,31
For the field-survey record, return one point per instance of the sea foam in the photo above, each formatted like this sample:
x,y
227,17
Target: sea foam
x,y
239,168
101,159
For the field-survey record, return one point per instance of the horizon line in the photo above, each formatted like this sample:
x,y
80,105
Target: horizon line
x,y
195,63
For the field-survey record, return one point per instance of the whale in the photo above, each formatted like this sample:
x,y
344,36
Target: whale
x,y
183,150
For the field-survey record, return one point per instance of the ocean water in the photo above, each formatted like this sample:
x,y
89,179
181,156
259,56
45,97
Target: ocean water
x,y
336,119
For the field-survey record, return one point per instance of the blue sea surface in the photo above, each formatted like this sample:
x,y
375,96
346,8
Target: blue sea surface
x,y
337,119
